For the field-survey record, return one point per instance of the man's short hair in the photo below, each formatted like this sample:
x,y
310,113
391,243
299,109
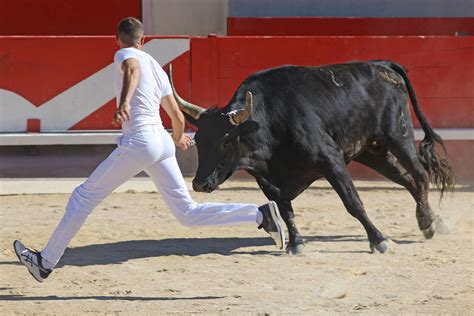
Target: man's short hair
x,y
130,30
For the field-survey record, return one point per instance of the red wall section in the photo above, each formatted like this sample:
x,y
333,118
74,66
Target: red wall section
x,y
182,82
441,68
62,17
324,26
40,69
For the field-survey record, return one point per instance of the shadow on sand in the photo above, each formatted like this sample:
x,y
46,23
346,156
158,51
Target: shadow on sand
x,y
351,238
119,252
122,251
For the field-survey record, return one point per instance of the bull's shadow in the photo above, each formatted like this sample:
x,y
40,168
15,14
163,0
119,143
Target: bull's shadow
x,y
120,252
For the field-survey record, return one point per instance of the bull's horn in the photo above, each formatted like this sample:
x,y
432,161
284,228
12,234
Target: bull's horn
x,y
192,110
241,115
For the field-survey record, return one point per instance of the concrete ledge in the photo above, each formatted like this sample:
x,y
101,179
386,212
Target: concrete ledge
x,y
66,185
63,138
449,133
66,161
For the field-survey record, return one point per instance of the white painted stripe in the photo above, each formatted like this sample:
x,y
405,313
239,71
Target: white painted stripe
x,y
108,137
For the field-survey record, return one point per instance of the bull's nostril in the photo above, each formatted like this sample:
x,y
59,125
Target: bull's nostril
x,y
207,188
202,186
198,187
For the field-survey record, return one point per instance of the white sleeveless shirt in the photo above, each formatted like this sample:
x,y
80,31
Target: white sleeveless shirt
x,y
152,86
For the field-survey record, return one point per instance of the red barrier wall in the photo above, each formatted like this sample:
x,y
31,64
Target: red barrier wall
x,y
62,17
441,68
333,26
44,80
39,69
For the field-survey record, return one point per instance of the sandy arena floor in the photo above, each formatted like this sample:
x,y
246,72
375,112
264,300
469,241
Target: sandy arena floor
x,y
132,257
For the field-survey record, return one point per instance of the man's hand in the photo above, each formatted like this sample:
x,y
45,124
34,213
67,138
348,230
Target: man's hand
x,y
122,114
184,142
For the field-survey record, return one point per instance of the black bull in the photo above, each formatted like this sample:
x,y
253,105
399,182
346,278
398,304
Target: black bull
x,y
290,125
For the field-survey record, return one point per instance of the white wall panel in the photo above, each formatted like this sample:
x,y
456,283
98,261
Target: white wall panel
x,y
185,17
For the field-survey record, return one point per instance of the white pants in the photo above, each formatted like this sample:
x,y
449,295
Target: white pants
x,y
150,149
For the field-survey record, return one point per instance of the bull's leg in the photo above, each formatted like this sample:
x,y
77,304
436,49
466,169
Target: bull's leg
x,y
405,151
387,165
339,178
295,244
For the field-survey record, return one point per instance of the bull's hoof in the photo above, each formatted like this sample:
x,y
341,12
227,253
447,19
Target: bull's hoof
x,y
297,250
430,231
380,247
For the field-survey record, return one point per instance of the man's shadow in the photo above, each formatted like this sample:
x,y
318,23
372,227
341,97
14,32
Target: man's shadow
x,y
122,251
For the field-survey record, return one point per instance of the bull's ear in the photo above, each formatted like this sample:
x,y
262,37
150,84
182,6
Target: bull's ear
x,y
247,127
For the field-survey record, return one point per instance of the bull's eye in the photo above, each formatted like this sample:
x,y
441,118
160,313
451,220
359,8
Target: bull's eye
x,y
226,144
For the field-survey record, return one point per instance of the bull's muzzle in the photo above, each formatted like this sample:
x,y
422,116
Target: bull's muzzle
x,y
202,186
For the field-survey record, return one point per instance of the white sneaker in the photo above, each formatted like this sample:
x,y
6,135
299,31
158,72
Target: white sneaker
x,y
32,260
272,223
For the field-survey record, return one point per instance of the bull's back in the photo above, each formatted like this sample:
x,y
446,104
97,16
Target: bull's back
x,y
324,90
302,104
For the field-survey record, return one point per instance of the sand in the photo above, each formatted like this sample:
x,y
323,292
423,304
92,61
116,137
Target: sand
x,y
132,257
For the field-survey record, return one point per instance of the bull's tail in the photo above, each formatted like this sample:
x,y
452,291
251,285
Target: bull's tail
x,y
438,168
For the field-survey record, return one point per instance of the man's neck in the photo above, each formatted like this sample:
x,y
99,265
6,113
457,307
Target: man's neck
x,y
136,45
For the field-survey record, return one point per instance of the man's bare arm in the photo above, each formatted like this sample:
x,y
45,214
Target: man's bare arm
x,y
177,121
131,77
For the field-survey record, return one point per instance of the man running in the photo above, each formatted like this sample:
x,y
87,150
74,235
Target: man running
x,y
141,86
